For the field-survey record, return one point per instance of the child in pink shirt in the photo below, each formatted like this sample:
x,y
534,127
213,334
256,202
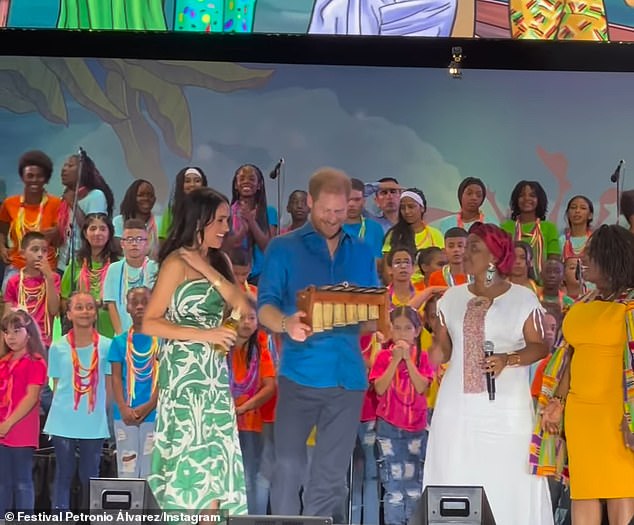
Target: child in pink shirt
x,y
22,374
401,376
35,288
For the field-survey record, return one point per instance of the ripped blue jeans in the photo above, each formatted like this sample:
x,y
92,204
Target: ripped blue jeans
x,y
401,458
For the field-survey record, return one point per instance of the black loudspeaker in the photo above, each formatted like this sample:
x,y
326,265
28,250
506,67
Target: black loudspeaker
x,y
442,505
278,520
114,494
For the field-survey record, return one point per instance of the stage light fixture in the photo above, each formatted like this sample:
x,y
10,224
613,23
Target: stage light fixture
x,y
455,66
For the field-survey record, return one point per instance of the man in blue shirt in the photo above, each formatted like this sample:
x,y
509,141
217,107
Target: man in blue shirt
x,y
387,200
322,376
366,229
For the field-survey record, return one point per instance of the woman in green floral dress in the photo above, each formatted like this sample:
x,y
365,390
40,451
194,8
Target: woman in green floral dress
x,y
196,463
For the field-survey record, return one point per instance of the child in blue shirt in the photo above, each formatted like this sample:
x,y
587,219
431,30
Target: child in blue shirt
x,y
136,269
78,365
134,360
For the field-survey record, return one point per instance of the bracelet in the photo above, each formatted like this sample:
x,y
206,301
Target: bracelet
x,y
513,359
283,324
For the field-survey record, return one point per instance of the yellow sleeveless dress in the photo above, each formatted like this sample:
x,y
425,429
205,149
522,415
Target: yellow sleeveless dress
x,y
600,464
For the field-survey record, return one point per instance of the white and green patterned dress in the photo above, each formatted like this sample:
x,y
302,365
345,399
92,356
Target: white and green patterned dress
x,y
196,457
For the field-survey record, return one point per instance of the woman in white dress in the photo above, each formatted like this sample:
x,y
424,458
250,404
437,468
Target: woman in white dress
x,y
473,440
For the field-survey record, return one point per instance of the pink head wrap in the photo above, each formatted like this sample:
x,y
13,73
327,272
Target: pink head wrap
x,y
499,243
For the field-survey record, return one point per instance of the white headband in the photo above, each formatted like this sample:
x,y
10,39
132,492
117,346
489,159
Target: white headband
x,y
193,171
414,196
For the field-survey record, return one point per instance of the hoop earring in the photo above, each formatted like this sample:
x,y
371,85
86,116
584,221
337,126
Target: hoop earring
x,y
490,275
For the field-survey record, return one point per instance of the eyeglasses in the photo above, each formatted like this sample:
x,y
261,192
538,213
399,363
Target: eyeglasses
x,y
134,240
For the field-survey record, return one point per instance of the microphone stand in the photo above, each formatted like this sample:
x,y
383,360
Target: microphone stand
x,y
616,177
276,175
71,247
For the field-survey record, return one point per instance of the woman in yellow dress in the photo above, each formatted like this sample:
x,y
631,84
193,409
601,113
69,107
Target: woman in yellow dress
x,y
596,385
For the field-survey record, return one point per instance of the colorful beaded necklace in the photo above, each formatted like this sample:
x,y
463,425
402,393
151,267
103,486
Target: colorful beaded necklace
x,y
32,298
85,379
21,226
142,366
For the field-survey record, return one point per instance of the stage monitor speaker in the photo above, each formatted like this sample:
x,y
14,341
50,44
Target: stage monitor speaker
x,y
278,520
113,494
444,505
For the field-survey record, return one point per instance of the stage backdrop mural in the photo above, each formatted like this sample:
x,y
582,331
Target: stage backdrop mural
x,y
598,20
148,119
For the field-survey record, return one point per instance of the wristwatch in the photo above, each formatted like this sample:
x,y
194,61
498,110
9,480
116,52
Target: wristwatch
x,y
513,360
283,323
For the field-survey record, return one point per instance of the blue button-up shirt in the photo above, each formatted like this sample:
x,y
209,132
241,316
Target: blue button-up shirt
x,y
300,259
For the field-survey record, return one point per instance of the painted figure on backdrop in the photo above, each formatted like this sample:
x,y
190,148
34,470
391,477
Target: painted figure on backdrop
x,y
432,18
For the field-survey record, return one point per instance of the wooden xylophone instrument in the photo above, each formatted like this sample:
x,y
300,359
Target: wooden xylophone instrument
x,y
328,307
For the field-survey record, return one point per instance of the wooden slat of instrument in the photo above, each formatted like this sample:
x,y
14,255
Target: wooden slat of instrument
x,y
328,307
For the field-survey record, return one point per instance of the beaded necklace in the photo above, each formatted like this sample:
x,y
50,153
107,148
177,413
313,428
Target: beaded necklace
x,y
32,298
460,220
21,226
394,301
569,250
535,239
125,283
85,380
448,276
91,280
147,371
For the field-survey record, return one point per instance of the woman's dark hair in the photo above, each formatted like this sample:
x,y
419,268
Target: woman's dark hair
x,y
412,315
110,251
425,256
402,233
528,257
587,201
542,199
611,248
253,349
260,196
21,319
188,229
36,158
128,207
91,179
178,194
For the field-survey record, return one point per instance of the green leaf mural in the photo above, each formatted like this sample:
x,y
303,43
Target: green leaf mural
x,y
143,101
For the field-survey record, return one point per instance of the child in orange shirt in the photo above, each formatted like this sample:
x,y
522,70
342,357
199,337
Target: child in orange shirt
x,y
452,274
252,381
33,210
428,261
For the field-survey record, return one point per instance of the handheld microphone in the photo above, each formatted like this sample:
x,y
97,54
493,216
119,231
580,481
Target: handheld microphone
x,y
275,172
82,152
617,172
490,376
